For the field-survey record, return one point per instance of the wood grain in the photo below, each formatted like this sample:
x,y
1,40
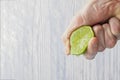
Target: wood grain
x,y
31,46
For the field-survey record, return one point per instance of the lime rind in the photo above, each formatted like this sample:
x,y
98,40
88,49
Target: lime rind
x,y
79,40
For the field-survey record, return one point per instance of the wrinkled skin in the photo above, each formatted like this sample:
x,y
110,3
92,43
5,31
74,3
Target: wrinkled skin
x,y
104,17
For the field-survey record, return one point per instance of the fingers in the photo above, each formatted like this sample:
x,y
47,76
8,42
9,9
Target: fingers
x,y
92,48
110,40
92,14
104,37
99,33
115,27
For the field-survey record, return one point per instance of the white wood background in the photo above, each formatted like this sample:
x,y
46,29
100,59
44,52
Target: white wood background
x,y
31,47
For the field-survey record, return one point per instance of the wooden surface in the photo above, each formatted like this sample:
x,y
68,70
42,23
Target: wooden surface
x,y
31,47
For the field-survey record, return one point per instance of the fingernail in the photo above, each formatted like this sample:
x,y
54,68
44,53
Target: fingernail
x,y
101,47
90,57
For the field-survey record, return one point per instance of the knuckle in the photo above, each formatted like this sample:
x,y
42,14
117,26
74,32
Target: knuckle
x,y
115,25
113,19
97,29
106,25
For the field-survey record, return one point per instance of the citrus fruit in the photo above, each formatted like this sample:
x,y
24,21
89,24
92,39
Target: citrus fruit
x,y
79,39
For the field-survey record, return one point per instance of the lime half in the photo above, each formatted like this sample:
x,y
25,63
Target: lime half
x,y
79,40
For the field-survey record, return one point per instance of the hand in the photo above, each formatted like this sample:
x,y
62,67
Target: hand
x,y
106,36
96,12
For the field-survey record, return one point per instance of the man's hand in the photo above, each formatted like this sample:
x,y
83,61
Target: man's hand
x,y
97,12
106,36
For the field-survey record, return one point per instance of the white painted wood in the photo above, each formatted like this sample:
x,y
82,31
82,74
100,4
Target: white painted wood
x,y
31,46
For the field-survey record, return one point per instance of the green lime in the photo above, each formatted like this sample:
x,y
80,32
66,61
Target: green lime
x,y
79,40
